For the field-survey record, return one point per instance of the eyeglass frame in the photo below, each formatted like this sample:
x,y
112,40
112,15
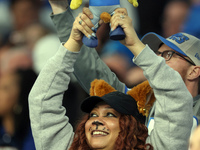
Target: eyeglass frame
x,y
173,52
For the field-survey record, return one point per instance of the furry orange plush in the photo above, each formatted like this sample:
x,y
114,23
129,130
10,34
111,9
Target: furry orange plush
x,y
105,17
144,96
100,87
142,93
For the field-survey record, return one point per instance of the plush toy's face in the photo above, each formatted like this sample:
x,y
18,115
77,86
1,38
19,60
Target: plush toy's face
x,y
102,128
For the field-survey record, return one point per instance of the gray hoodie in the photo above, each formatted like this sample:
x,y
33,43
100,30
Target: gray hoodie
x,y
173,107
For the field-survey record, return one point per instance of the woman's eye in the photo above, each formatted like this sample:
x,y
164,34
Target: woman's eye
x,y
93,115
110,115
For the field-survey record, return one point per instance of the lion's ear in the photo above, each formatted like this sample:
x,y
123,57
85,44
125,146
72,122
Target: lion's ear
x,y
100,87
144,96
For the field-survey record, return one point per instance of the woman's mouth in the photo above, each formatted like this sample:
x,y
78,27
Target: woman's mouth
x,y
99,133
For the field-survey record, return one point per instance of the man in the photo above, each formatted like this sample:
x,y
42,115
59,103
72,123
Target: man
x,y
174,15
194,142
181,52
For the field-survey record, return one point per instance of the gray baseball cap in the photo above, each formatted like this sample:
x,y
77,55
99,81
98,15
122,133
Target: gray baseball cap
x,y
183,43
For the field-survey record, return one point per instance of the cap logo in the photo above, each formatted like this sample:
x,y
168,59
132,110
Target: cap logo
x,y
179,38
197,56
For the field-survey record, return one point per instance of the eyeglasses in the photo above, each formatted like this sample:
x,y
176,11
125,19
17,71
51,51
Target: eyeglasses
x,y
169,53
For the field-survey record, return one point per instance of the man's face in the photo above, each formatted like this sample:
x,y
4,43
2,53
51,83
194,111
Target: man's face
x,y
175,14
24,13
9,93
194,142
176,62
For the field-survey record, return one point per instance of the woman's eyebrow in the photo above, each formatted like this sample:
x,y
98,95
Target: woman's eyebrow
x,y
108,107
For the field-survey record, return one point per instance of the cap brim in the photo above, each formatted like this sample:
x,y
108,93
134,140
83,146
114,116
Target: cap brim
x,y
122,103
89,103
154,40
115,99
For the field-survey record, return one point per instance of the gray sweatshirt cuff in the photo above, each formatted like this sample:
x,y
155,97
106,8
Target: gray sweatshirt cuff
x,y
146,57
66,54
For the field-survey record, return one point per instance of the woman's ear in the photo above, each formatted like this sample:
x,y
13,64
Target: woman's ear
x,y
194,72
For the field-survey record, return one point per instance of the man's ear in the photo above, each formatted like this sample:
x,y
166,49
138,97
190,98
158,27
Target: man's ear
x,y
194,72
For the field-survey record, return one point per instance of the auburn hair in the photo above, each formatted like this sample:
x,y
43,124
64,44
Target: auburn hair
x,y
132,135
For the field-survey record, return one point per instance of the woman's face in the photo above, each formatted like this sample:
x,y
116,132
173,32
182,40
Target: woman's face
x,y
9,93
102,128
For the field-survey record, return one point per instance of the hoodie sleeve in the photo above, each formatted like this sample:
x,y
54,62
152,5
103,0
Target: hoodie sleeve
x,y
50,127
173,106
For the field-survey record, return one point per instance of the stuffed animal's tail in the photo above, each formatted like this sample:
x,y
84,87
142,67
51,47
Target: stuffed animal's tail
x,y
105,17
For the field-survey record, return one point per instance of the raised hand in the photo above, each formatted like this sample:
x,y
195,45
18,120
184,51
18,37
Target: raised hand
x,y
81,26
131,41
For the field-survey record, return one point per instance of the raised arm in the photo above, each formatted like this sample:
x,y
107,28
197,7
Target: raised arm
x,y
88,66
173,106
51,128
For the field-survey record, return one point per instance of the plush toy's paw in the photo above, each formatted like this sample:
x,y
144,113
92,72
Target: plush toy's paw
x,y
75,4
92,42
105,17
134,2
117,34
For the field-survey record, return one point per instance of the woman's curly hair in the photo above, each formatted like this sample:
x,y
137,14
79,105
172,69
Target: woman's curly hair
x,y
132,135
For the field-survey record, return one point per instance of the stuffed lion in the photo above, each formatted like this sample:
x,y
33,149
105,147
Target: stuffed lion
x,y
97,7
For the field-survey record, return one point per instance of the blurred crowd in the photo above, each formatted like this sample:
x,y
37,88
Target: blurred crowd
x,y
28,39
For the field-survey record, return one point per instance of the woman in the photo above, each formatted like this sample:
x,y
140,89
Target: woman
x,y
106,123
15,129
104,127
50,126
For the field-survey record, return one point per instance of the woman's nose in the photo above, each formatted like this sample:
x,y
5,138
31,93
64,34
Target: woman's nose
x,y
97,123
